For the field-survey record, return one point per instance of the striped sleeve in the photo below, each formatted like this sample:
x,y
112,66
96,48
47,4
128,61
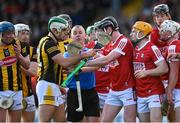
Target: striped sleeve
x,y
156,56
51,48
121,46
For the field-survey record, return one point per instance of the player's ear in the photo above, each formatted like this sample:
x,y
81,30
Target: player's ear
x,y
54,31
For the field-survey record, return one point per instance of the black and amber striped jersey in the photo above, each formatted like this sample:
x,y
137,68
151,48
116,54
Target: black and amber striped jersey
x,y
33,54
62,45
26,80
47,69
10,75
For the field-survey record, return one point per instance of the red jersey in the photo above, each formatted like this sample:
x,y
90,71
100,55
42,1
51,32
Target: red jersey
x,y
121,69
102,74
91,44
163,46
174,47
146,58
102,80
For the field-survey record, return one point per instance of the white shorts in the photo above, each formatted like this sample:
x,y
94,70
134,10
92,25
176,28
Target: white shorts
x,y
121,98
16,96
31,106
176,98
102,99
144,104
48,93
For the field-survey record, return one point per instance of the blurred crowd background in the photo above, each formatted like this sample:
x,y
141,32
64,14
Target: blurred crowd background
x,y
36,13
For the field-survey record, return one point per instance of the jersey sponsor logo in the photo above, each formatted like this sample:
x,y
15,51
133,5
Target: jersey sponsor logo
x,y
8,61
104,69
113,64
139,66
6,52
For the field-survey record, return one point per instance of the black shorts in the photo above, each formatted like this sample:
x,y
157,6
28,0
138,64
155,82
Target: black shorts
x,y
90,103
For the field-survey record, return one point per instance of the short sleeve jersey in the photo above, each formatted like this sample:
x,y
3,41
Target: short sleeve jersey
x,y
121,69
146,58
174,47
47,69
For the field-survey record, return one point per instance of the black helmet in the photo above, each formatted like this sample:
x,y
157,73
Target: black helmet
x,y
161,8
107,21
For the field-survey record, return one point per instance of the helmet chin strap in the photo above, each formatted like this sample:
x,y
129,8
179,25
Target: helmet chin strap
x,y
54,36
171,36
12,42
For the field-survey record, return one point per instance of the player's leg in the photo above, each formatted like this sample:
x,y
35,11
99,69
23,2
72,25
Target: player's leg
x,y
28,113
112,107
14,113
143,110
155,104
129,103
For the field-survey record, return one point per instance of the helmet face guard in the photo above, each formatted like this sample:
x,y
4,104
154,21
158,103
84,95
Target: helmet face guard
x,y
67,18
144,27
139,27
21,27
7,32
168,29
108,21
89,30
57,23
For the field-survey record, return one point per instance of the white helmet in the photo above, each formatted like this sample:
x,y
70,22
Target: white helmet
x,y
171,26
21,27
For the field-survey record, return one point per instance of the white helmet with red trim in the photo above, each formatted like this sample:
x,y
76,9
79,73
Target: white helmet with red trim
x,y
168,29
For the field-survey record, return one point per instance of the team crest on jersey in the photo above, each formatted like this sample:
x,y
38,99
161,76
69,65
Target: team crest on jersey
x,y
139,66
6,52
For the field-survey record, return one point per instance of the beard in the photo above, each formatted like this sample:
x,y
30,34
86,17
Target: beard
x,y
9,42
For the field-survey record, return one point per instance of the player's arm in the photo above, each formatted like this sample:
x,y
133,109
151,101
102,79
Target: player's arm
x,y
66,62
120,50
104,60
32,71
54,53
172,56
161,65
161,68
89,69
24,61
173,75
